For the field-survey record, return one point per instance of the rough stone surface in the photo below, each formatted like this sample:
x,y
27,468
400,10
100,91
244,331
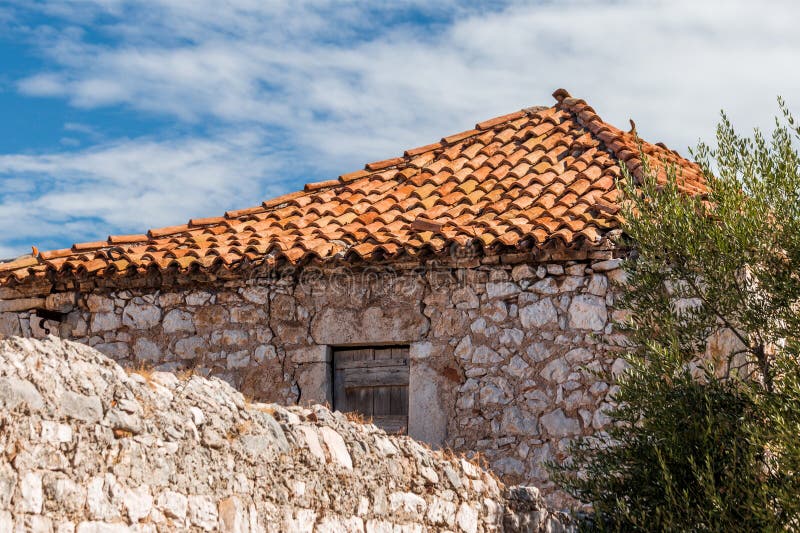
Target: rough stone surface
x,y
491,344
269,471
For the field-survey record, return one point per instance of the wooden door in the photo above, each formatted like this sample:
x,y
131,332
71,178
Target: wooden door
x,y
373,382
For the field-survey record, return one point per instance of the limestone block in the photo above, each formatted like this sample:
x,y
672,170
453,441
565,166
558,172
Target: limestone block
x,y
336,447
77,325
99,304
62,302
105,321
511,337
62,495
172,504
501,290
420,350
203,512
300,521
427,415
575,270
197,298
100,508
233,337
102,527
9,324
138,503
15,392
517,367
495,393
588,312
315,353
617,277
314,381
578,356
256,295
600,419
191,347
248,315
538,352
80,407
233,516
115,350
464,298
496,311
283,307
523,271
211,317
30,491
605,266
557,424
146,349
311,439
264,353
336,524
509,466
55,433
556,370
21,304
178,320
539,314
380,526
141,315
571,283
545,286
518,422
240,359
337,326
619,367
464,349
721,344
448,323
406,504
483,355
598,285
467,518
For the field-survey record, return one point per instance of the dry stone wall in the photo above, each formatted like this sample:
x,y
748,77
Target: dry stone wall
x,y
87,447
503,355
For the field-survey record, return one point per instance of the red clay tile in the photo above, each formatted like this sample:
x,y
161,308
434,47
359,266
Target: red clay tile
x,y
530,176
386,163
127,239
459,136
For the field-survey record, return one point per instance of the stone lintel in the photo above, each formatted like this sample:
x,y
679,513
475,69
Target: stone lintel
x,y
317,353
21,304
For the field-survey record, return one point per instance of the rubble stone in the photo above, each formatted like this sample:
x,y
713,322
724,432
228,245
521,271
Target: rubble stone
x,y
168,480
483,339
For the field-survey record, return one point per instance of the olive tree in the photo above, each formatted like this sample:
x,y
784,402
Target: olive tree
x,y
698,442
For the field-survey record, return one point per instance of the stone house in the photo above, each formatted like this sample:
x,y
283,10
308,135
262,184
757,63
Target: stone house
x,y
460,292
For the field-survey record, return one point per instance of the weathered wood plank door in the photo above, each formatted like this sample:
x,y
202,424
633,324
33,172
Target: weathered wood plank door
x,y
373,381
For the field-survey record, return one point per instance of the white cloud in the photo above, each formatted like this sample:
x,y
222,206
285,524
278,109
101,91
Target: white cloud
x,y
669,65
341,86
132,185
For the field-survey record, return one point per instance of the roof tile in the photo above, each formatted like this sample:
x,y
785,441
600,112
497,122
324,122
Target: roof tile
x,y
528,177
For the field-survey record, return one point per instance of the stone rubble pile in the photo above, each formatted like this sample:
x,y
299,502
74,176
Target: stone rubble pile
x,y
87,447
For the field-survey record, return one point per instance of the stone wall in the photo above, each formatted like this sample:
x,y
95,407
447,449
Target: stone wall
x,y
502,355
86,447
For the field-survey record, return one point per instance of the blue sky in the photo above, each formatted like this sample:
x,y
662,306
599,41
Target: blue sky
x,y
119,116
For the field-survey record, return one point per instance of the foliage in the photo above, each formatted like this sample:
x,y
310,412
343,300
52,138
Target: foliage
x,y
706,444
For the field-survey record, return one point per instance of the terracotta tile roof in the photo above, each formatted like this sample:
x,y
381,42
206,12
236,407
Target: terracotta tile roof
x,y
518,180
